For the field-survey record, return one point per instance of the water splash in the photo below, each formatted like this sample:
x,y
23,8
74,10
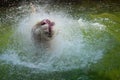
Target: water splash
x,y
69,49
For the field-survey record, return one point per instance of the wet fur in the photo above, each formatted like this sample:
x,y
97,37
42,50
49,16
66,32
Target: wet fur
x,y
39,34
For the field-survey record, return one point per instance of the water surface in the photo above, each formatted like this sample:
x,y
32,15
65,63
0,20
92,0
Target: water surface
x,y
86,48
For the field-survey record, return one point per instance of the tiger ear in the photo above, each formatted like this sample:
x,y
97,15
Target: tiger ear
x,y
33,7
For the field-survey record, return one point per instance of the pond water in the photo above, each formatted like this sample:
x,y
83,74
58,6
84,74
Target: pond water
x,y
86,48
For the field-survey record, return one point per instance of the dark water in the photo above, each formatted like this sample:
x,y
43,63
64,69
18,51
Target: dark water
x,y
87,47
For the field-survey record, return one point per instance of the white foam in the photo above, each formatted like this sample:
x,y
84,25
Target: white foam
x,y
69,51
86,24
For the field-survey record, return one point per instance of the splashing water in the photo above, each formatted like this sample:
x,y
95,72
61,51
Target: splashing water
x,y
69,48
